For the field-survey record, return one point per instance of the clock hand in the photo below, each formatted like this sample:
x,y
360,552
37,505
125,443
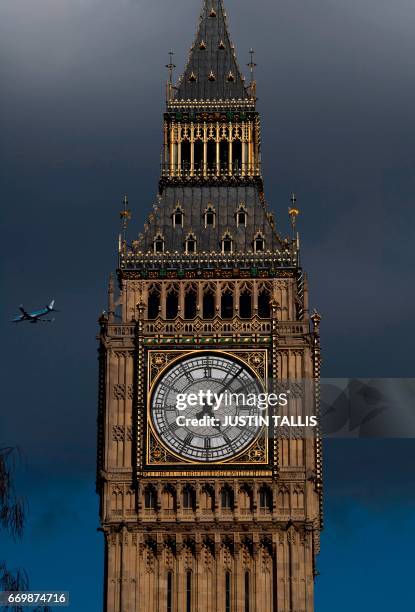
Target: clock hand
x,y
226,385
206,410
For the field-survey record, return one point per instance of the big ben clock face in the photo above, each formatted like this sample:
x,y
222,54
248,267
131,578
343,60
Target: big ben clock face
x,y
210,425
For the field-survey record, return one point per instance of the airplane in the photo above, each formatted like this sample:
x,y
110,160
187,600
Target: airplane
x,y
37,315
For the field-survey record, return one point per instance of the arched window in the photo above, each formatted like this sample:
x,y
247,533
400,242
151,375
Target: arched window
x,y
259,243
227,304
245,304
188,498
247,591
178,217
207,499
265,498
226,498
172,304
241,216
264,307
190,244
169,591
189,591
158,244
227,244
210,216
209,304
245,499
153,303
169,499
228,592
150,498
283,497
190,303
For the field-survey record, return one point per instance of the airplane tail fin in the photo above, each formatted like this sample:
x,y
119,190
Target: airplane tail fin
x,y
51,305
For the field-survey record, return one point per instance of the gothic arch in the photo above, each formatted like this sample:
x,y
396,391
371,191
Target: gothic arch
x,y
245,498
227,301
154,301
227,497
245,301
209,301
298,497
265,497
158,243
150,497
241,215
190,243
190,301
117,500
172,301
178,216
284,498
207,498
259,242
169,498
264,301
188,497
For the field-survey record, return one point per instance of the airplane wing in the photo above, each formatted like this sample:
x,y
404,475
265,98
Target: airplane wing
x,y
23,311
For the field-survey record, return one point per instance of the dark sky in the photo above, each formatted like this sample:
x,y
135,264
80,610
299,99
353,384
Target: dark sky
x,y
81,102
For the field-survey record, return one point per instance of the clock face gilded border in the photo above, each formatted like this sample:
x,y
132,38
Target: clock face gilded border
x,y
159,363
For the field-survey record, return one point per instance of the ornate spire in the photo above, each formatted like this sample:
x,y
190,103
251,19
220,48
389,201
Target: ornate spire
x,y
212,54
293,211
170,67
252,66
125,216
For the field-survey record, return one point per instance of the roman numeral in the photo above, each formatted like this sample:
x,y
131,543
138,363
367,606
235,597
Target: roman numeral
x,y
188,439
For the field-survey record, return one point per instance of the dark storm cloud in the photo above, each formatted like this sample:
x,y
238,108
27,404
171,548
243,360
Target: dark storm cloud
x,y
82,97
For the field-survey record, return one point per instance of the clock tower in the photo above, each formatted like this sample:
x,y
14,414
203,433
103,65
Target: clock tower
x,y
201,513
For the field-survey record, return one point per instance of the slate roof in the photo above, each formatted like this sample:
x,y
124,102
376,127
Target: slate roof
x,y
217,58
194,200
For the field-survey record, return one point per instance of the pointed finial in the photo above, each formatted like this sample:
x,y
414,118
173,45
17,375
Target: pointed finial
x,y
170,67
293,211
252,66
125,216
